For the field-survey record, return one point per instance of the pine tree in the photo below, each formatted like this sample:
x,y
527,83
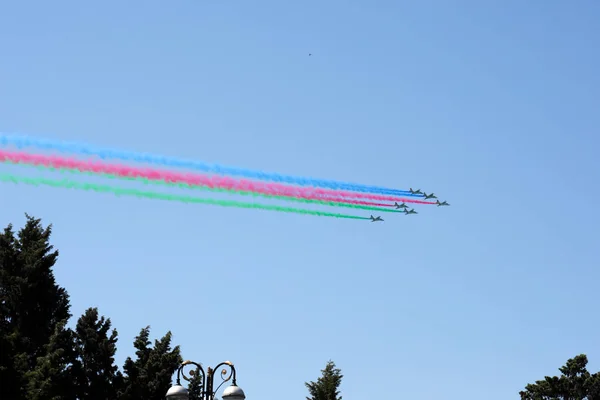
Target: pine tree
x,y
98,378
149,376
575,383
9,376
53,376
33,308
41,359
326,387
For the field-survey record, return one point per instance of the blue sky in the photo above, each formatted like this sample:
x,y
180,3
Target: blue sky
x,y
491,105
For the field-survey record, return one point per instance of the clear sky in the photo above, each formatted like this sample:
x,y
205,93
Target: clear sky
x,y
492,105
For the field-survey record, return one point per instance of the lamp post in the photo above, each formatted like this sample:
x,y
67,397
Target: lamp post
x,y
206,382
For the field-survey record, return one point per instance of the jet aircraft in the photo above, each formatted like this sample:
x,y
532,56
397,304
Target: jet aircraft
x,y
407,211
418,191
443,203
429,196
375,219
403,205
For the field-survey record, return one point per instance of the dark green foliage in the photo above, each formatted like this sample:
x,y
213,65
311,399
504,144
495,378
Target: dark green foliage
x,y
41,359
53,376
575,383
96,374
594,386
326,387
32,306
149,376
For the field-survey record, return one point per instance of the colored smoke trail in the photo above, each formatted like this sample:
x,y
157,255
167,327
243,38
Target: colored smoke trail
x,y
231,191
169,197
195,180
84,149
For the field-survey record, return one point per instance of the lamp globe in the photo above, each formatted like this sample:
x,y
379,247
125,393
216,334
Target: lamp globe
x,y
177,392
233,392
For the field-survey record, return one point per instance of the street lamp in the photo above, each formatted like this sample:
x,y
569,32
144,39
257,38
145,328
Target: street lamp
x,y
206,383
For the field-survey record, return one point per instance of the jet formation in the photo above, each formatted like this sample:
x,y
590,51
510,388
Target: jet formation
x,y
405,208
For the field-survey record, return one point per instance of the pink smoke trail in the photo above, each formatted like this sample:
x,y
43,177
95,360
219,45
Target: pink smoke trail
x,y
220,182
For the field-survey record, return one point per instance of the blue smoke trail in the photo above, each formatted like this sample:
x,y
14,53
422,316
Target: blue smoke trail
x,y
104,153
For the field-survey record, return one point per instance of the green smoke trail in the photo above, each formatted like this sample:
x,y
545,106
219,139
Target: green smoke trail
x,y
161,196
220,190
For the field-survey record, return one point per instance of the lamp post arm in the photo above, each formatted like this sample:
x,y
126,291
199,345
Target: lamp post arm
x,y
225,376
200,371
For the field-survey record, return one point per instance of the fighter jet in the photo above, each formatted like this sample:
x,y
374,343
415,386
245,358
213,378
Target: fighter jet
x,y
418,191
407,211
443,203
400,205
429,196
375,219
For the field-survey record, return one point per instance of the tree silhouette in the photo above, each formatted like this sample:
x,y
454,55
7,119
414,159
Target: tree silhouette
x,y
326,387
575,383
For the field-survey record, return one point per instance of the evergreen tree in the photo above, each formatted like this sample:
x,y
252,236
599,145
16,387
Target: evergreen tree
x,y
53,376
195,386
98,378
8,335
575,383
593,387
149,376
326,387
40,359
33,308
